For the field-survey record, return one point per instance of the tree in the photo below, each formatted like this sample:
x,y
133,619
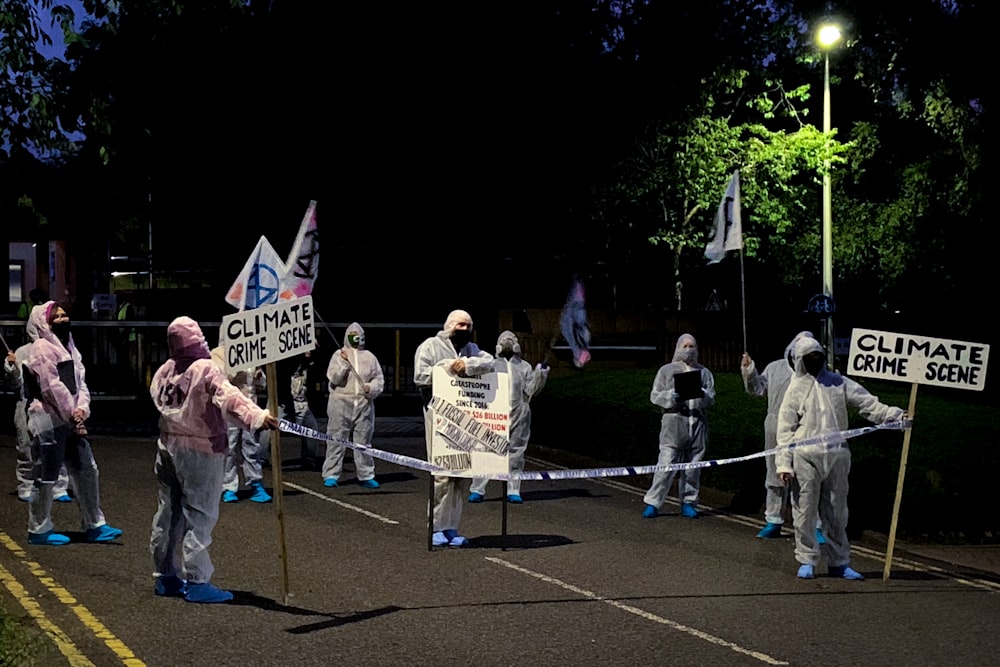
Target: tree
x,y
668,190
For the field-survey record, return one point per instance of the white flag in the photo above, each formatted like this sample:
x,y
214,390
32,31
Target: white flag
x,y
260,280
303,261
728,224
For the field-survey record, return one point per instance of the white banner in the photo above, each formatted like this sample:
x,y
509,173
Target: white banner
x,y
918,359
471,423
269,333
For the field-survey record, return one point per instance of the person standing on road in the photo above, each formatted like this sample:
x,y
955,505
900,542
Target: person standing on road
x,y
356,380
194,398
816,404
24,468
525,382
683,429
58,405
244,451
773,382
453,350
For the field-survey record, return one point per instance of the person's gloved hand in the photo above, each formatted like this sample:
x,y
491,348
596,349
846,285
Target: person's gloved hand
x,y
544,368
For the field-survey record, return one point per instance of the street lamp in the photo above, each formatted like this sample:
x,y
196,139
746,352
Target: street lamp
x,y
827,36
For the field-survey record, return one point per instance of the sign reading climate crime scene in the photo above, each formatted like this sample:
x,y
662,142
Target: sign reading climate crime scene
x,y
471,423
269,333
918,359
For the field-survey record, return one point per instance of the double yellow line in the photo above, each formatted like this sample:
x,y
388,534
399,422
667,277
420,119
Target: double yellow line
x,y
62,641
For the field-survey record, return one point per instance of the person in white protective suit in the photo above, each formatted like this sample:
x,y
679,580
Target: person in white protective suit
x,y
683,429
773,382
24,468
453,350
246,451
356,380
58,406
194,398
525,382
816,404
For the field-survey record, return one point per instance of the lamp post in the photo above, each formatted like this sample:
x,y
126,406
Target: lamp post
x,y
827,36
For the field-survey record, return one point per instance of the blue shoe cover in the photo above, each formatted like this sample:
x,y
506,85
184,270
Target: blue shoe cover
x,y
770,530
103,533
819,537
475,497
845,572
207,593
230,497
649,512
514,498
450,533
370,484
170,587
64,498
806,572
259,494
330,482
458,541
51,538
439,540
689,510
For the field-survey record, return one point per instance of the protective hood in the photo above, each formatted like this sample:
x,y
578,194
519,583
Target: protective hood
x,y
38,320
454,317
32,330
790,348
806,345
508,340
186,341
686,355
355,328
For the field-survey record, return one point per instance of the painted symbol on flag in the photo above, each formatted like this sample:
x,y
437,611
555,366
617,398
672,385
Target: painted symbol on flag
x,y
262,286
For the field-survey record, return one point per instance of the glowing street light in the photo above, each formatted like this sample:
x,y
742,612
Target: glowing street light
x,y
827,36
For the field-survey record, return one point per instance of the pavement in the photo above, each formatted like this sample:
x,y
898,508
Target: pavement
x,y
980,558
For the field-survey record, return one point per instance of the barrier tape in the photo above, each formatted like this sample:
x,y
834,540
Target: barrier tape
x,y
830,440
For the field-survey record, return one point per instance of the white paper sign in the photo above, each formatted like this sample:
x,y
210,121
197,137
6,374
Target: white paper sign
x,y
269,333
918,359
471,423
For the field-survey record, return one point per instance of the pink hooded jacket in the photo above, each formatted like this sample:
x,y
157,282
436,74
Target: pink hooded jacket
x,y
58,369
193,394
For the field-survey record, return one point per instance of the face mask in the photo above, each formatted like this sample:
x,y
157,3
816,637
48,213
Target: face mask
x,y
813,364
355,339
460,338
686,354
61,330
507,348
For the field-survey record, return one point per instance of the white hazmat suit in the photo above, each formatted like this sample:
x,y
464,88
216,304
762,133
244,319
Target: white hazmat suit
x,y
450,345
816,404
194,397
356,380
683,429
525,382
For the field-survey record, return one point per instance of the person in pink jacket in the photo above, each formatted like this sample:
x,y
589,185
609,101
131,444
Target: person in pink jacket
x,y
58,403
194,397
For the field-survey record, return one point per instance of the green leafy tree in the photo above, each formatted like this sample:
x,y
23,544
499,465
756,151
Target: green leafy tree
x,y
669,188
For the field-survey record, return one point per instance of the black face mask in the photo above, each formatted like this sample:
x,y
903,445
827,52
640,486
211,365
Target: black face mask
x,y
460,338
61,330
813,364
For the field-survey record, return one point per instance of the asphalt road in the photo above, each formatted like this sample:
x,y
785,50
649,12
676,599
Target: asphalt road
x,y
577,578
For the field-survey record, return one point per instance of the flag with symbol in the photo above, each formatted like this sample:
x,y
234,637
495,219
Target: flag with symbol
x,y
728,228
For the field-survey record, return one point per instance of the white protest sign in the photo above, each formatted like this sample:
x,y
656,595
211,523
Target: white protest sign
x,y
268,334
471,423
918,359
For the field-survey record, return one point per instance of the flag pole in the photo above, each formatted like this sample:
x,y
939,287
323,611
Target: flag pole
x,y
743,295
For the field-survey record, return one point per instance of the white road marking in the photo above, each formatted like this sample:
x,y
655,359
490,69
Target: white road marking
x,y
712,639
